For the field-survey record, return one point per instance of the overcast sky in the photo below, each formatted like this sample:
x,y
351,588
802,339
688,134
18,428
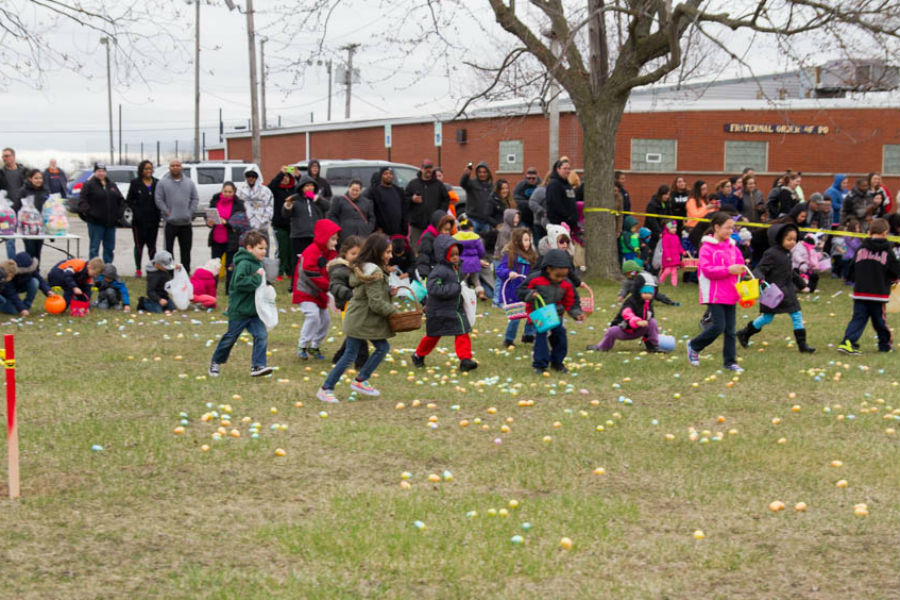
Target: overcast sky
x,y
68,118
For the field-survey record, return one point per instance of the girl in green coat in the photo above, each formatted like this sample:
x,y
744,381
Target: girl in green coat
x,y
366,317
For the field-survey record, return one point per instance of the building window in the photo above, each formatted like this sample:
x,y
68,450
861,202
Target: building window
x,y
890,163
654,155
740,155
511,157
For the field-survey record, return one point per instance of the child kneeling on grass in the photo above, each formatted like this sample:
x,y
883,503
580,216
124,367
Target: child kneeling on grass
x,y
444,312
366,318
552,285
75,276
635,320
159,273
248,274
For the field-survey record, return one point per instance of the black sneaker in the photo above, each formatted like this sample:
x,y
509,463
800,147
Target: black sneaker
x,y
467,364
260,371
213,369
527,339
651,348
559,367
539,371
418,361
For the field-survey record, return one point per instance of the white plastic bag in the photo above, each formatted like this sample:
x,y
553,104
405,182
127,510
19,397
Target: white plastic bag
x,y
30,220
470,303
656,261
180,289
265,305
8,221
402,285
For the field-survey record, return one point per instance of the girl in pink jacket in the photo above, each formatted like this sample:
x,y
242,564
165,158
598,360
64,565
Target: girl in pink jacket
x,y
721,264
204,281
671,253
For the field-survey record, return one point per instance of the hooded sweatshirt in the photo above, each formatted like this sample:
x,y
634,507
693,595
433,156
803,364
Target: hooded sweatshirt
x,y
561,204
836,195
671,248
775,267
471,253
505,232
538,282
282,186
244,281
875,267
479,205
323,186
26,270
425,254
444,312
717,285
305,212
314,261
259,203
551,240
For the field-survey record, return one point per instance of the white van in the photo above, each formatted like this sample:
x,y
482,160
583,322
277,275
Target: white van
x,y
209,177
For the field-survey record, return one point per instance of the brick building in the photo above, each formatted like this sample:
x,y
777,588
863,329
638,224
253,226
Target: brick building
x,y
701,139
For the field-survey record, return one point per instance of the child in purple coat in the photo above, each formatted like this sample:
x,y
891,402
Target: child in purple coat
x,y
471,258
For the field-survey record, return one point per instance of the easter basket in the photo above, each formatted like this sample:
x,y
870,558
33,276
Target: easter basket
x,y
410,320
79,306
748,290
690,263
544,318
587,304
514,310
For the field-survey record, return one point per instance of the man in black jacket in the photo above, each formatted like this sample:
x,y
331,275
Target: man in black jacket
x,y
479,205
425,194
12,179
391,208
522,194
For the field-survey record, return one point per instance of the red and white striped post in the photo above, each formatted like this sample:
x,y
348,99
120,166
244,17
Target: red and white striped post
x,y
12,432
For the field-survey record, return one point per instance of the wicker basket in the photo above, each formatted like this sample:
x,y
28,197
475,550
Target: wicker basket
x,y
587,304
690,263
409,320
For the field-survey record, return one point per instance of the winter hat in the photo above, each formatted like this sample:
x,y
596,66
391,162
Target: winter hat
x,y
99,166
556,258
745,235
672,226
628,223
110,273
213,266
644,233
648,289
631,266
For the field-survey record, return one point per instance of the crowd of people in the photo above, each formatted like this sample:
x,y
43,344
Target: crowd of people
x,y
518,245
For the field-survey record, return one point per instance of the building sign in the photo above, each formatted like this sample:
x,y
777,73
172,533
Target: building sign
x,y
776,129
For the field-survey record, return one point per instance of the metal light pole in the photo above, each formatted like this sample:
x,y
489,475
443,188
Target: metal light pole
x,y
262,80
106,42
196,79
553,142
254,101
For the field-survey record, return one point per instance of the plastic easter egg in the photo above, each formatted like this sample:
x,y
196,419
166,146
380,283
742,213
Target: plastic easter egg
x,y
666,343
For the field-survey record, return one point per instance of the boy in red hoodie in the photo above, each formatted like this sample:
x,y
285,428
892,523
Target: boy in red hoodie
x,y
311,288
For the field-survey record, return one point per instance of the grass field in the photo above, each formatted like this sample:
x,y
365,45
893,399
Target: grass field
x,y
154,515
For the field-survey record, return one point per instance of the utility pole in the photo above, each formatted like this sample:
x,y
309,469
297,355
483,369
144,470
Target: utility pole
x,y
351,50
262,80
328,69
106,42
120,135
553,142
254,100
197,80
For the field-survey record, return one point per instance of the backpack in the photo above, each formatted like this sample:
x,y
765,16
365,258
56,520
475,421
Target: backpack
x,y
30,220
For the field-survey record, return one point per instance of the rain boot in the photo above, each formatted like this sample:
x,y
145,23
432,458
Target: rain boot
x,y
800,334
746,333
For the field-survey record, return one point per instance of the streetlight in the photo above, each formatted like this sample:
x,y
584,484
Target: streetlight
x,y
106,42
196,77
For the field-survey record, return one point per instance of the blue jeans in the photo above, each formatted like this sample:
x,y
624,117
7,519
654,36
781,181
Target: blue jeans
x,y
550,347
235,327
10,249
106,235
513,328
766,318
353,345
863,310
723,316
31,289
498,285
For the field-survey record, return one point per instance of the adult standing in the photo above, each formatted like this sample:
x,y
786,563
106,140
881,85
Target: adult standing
x,y
282,186
818,215
781,203
876,185
314,170
303,209
858,203
12,178
391,209
259,203
522,194
660,204
754,201
620,187
55,179
177,199
353,212
425,195
101,205
223,238
678,199
145,215
698,205
836,193
561,206
478,196
36,190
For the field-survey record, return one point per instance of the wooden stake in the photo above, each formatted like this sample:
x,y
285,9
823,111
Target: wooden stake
x,y
12,432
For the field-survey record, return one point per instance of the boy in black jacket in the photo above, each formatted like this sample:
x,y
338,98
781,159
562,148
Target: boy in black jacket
x,y
875,268
553,286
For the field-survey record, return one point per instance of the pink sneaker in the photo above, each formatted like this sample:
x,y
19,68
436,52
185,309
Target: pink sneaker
x,y
364,388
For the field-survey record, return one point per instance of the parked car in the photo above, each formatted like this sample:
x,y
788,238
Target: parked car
x,y
209,177
340,173
120,174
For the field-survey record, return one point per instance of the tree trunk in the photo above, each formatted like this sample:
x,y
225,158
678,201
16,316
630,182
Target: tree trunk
x,y
599,123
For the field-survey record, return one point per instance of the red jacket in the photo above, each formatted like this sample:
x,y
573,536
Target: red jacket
x,y
315,260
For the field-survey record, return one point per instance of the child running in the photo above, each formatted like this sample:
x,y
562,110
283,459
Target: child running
x,y
444,313
516,262
366,318
775,268
311,290
721,264
339,271
247,276
553,286
874,269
